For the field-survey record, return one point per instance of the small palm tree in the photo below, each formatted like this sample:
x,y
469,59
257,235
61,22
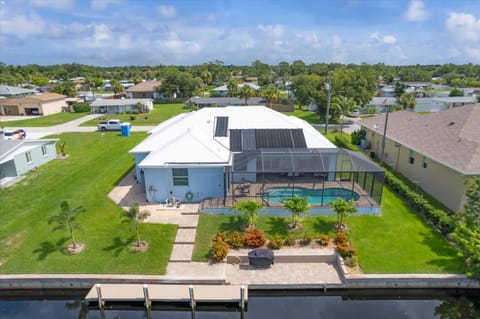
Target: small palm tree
x,y
408,100
232,86
342,208
271,94
343,105
245,92
297,206
250,209
66,220
134,217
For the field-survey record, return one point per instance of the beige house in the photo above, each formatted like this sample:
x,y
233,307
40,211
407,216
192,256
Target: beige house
x,y
40,104
437,151
144,90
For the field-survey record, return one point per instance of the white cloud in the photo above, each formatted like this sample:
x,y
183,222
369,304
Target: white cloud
x,y
102,4
167,11
275,31
463,27
56,5
376,37
22,25
101,33
415,11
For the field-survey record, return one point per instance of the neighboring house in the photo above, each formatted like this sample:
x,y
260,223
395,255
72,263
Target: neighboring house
x,y
203,154
40,104
380,103
20,156
223,90
114,106
15,91
437,151
202,102
386,91
436,104
147,89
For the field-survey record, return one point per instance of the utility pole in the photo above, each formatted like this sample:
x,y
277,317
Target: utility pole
x,y
328,89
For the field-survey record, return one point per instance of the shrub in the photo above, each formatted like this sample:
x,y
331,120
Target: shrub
x,y
133,118
219,236
341,141
372,110
219,250
81,107
289,240
276,242
345,250
254,238
357,136
128,112
235,239
307,239
341,238
351,261
324,239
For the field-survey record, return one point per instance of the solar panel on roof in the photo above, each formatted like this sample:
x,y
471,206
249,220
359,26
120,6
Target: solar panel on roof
x,y
221,126
236,140
251,139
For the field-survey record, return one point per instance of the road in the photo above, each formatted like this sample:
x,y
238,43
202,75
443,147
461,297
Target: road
x,y
72,126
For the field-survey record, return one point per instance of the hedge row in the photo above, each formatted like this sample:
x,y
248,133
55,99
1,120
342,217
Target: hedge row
x,y
439,218
342,141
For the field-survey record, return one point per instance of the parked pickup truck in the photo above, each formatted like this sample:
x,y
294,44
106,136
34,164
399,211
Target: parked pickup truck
x,y
111,125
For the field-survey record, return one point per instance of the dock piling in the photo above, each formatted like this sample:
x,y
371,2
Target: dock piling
x,y
242,297
148,302
101,302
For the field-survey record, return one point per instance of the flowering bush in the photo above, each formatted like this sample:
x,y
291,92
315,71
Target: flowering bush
x,y
235,239
254,238
276,242
324,239
341,238
219,250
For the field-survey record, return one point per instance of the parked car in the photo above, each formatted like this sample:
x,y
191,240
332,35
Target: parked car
x,y
111,125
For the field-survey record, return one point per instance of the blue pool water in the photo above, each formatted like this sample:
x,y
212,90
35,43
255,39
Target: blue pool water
x,y
276,194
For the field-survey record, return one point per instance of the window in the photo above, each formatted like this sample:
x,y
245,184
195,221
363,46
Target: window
x,y
411,158
44,150
180,176
29,157
425,164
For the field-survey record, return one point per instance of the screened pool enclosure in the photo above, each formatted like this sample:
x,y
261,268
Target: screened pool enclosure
x,y
271,175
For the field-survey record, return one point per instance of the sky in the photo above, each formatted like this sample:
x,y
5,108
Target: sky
x,y
238,32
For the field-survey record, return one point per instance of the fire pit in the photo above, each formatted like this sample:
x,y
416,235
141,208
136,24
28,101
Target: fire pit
x,y
261,258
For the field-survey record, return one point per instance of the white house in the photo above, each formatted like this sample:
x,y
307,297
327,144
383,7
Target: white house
x,y
223,90
114,106
188,155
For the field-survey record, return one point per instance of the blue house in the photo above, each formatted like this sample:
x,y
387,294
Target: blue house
x,y
20,156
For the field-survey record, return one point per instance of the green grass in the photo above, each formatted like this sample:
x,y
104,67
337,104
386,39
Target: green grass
x,y
396,242
93,168
310,117
40,121
160,113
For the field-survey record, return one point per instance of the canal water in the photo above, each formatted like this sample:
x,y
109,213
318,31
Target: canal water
x,y
380,304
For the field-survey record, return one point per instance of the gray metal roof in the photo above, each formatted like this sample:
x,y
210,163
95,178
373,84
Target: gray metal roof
x,y
7,90
113,102
226,100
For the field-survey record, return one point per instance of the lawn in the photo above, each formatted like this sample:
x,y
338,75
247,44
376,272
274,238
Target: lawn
x,y
160,113
310,117
396,242
40,121
95,164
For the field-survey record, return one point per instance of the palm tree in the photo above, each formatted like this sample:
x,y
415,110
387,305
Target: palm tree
x,y
407,100
66,220
117,88
342,208
245,92
232,86
296,205
206,77
134,217
271,93
250,209
343,105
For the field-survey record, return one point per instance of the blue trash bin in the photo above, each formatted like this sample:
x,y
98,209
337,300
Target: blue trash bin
x,y
125,128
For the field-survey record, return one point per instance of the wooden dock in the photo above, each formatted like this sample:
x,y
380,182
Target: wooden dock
x,y
157,296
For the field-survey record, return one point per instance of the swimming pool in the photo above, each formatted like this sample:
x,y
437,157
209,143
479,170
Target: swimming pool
x,y
276,194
